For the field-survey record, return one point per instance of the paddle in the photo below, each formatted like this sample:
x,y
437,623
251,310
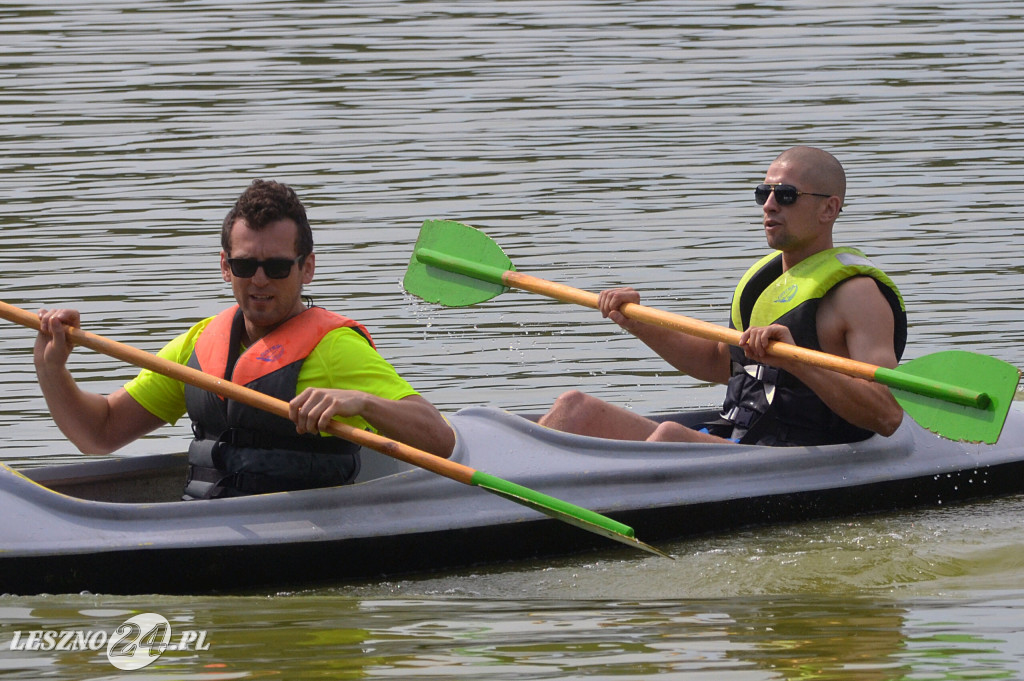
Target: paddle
x,y
555,508
956,394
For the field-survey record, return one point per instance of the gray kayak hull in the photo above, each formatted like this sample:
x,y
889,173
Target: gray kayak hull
x,y
117,526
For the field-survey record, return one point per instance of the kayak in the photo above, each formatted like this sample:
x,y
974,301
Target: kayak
x,y
118,525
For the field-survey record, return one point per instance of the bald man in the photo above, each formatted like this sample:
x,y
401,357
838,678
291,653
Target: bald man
x,y
805,292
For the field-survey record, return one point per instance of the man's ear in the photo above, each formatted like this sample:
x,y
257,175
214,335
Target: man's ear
x,y
225,269
830,208
308,267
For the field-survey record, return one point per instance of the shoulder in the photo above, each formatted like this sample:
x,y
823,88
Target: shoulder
x,y
345,359
856,300
180,348
346,337
854,316
857,293
162,396
345,346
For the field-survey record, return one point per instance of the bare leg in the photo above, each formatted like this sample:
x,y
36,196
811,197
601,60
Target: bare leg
x,y
582,414
670,431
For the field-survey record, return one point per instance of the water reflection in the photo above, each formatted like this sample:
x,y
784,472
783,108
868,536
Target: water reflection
x,y
758,638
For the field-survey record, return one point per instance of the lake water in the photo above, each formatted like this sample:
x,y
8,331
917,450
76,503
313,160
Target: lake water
x,y
601,143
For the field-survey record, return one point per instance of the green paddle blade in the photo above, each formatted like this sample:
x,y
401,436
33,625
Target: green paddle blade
x,y
564,511
995,378
442,241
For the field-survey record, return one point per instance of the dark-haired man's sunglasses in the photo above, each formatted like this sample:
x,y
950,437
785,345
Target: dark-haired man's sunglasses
x,y
785,194
274,268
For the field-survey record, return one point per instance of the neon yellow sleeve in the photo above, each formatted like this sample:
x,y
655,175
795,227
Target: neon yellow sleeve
x,y
346,361
162,396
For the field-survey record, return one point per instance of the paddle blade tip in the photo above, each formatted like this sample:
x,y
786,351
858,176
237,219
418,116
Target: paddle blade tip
x,y
566,512
455,265
995,379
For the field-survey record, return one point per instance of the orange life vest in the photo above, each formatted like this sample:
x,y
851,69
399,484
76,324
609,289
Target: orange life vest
x,y
240,449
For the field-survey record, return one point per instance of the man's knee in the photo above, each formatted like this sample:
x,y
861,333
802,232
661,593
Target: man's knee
x,y
568,405
573,400
670,431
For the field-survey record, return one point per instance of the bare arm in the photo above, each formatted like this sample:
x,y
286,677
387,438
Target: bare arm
x,y
95,424
411,420
855,321
703,359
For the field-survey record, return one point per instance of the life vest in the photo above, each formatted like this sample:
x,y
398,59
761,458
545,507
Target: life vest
x,y
767,405
240,449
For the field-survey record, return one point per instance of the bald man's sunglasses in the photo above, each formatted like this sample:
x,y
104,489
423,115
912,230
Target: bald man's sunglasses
x,y
785,194
274,268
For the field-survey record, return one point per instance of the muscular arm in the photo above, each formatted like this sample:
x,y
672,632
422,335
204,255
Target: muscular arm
x,y
95,424
412,420
703,359
854,320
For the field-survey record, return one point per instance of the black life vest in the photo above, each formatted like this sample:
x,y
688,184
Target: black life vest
x,y
766,405
239,449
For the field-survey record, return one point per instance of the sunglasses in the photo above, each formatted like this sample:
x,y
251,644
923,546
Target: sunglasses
x,y
785,194
274,268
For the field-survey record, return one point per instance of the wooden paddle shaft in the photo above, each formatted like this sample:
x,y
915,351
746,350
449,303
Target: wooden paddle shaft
x,y
254,398
693,327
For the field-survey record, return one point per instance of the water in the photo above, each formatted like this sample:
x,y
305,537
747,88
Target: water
x,y
753,638
600,143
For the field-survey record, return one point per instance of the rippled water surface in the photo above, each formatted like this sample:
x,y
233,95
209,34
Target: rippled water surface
x,y
600,143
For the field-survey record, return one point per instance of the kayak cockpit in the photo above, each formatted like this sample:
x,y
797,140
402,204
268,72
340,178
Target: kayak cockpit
x,y
156,478
138,479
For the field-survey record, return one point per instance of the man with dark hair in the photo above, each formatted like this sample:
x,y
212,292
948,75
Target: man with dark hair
x,y
806,293
323,364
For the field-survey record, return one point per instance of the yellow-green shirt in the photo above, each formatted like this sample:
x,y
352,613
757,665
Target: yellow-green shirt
x,y
343,359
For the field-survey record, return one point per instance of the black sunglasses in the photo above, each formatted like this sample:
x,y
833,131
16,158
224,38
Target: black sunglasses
x,y
785,194
274,268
